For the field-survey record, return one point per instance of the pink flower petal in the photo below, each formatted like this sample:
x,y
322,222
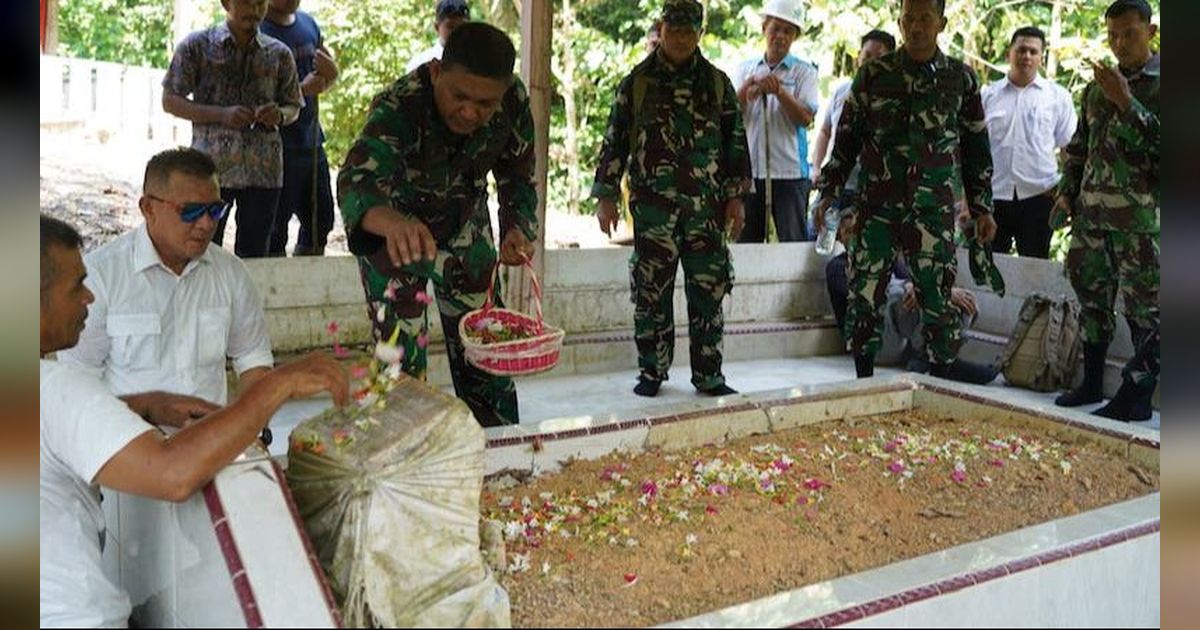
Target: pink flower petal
x,y
332,327
424,298
896,467
339,351
650,488
958,476
422,340
813,483
358,372
631,579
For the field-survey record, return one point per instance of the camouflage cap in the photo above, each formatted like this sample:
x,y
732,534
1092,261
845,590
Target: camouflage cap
x,y
683,12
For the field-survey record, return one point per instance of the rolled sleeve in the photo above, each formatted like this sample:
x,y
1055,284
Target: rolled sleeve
x,y
249,343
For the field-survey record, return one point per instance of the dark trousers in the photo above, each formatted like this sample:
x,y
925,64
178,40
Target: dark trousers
x,y
255,208
790,201
1028,222
839,290
300,180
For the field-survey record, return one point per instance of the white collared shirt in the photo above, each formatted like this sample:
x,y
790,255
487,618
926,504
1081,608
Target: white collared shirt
x,y
82,427
831,115
1025,126
150,329
789,141
427,55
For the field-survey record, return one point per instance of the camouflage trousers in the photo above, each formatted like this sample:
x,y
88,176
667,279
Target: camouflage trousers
x,y
926,238
1103,263
667,234
465,267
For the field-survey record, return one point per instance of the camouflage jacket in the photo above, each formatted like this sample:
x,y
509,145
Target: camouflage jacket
x,y
915,125
689,142
1111,169
408,159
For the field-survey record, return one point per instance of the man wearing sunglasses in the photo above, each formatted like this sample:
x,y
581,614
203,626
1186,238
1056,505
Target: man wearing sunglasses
x,y
171,306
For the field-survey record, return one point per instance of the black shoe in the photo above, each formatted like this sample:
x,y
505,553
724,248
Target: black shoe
x,y
719,390
647,387
864,365
1091,390
1130,404
939,369
965,371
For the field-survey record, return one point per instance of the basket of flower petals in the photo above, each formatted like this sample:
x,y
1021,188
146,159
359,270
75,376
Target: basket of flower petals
x,y
509,343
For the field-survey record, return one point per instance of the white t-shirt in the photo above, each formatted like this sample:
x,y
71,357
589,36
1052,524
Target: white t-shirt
x,y
152,330
789,141
82,426
832,116
429,54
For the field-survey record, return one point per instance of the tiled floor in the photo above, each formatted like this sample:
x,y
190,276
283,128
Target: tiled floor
x,y
611,394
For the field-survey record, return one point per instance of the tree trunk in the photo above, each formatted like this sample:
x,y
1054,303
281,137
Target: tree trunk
x,y
1055,38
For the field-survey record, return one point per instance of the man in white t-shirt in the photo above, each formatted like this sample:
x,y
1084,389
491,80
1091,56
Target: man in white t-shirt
x,y
779,99
171,306
88,437
450,15
874,45
1029,118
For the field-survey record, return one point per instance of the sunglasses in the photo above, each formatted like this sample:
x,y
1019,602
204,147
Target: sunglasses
x,y
192,211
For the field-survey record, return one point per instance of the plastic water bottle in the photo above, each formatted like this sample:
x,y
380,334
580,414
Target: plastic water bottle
x,y
828,235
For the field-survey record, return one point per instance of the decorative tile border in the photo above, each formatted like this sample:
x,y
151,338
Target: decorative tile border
x,y
1037,413
579,339
313,562
959,582
233,557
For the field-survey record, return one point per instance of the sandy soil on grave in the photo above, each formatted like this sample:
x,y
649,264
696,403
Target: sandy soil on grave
x,y
895,495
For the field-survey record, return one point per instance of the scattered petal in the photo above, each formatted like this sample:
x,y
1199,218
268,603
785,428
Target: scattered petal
x,y
631,579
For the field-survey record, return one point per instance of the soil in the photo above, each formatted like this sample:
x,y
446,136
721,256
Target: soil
x,y
94,184
640,539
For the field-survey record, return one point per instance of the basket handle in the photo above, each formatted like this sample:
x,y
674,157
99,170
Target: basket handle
x,y
489,302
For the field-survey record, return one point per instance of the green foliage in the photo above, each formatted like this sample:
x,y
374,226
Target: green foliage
x,y
373,42
122,31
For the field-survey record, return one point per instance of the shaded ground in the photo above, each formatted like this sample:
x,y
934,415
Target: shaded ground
x,y
95,186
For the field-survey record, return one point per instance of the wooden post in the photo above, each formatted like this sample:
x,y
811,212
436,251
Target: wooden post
x,y
49,27
536,24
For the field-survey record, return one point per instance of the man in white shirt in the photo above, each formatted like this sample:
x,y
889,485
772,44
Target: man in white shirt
x,y
88,437
873,45
778,94
1028,118
170,305
450,15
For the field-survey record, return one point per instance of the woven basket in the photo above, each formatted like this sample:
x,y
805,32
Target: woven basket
x,y
519,357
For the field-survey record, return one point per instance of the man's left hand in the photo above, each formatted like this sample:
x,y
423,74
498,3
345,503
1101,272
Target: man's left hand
x,y
175,410
735,217
1114,84
985,228
515,249
964,300
268,115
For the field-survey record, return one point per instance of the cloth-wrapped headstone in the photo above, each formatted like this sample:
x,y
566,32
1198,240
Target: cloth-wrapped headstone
x,y
389,494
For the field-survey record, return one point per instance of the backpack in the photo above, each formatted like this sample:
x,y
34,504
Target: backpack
x,y
1044,348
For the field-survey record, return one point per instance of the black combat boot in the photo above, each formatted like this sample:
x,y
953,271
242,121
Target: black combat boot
x,y
965,371
864,365
1092,388
1130,404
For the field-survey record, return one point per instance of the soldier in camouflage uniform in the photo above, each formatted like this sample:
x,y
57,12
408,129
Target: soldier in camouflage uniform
x,y
916,118
413,194
676,123
1110,193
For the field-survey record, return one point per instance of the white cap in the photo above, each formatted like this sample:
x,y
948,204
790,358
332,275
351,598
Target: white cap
x,y
790,11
